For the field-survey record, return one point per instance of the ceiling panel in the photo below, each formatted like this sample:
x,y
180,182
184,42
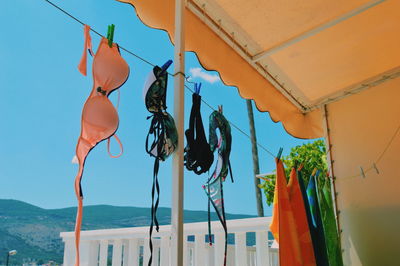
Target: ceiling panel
x,y
267,23
352,51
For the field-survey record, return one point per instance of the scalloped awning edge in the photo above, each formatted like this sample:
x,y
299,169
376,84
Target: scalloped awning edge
x,y
214,53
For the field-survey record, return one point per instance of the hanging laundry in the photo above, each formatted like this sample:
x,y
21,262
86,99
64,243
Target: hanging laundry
x,y
218,121
329,223
162,131
99,117
214,186
299,212
87,47
198,155
314,219
283,225
312,199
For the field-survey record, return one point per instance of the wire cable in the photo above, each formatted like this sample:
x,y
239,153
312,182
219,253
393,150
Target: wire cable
x,y
153,65
374,165
212,108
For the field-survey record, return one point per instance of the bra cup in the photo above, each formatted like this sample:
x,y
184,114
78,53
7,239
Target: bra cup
x,y
99,119
110,70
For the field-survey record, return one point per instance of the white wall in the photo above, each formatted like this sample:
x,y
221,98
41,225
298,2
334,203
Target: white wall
x,y
361,127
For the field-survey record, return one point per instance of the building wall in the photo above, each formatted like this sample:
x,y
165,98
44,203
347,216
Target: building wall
x,y
361,127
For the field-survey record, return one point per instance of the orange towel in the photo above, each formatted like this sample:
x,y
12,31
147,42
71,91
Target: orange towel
x,y
283,225
299,212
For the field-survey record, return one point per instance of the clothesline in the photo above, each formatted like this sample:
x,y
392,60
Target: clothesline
x,y
373,167
170,74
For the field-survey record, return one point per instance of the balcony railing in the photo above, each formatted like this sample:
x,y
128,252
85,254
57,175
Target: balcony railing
x,y
130,246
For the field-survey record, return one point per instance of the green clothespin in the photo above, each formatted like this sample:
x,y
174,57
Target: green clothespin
x,y
110,34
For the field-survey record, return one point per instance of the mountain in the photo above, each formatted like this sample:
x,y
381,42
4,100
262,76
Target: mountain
x,y
34,232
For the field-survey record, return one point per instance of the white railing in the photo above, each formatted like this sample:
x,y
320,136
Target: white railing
x,y
130,246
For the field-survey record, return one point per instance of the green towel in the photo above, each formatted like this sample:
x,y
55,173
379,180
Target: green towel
x,y
329,222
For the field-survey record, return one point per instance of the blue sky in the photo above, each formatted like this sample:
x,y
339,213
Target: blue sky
x,y
42,98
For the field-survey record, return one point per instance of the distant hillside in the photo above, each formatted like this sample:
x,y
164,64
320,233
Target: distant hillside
x,y
34,232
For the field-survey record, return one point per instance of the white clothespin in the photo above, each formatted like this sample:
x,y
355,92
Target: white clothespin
x,y
376,168
362,172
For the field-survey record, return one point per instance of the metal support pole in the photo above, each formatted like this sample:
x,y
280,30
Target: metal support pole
x,y
328,145
177,168
256,165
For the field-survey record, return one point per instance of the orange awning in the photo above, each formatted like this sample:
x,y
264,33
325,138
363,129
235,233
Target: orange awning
x,y
292,56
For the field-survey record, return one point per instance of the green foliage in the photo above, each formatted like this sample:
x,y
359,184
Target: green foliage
x,y
312,155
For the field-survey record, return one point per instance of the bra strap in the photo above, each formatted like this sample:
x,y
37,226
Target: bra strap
x,y
120,146
87,47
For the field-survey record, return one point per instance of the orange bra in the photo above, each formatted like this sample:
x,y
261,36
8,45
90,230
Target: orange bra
x,y
99,117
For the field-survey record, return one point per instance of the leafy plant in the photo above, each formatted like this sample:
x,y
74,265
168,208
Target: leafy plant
x,y
312,155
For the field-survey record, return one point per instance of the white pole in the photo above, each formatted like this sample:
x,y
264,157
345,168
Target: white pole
x,y
177,168
330,160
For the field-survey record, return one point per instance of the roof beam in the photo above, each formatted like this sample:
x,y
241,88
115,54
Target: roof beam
x,y
316,30
357,88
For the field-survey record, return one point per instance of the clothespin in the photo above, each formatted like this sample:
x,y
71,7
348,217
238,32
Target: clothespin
x,y
197,87
166,66
314,172
300,167
220,109
317,173
278,156
110,34
328,175
263,178
362,172
376,168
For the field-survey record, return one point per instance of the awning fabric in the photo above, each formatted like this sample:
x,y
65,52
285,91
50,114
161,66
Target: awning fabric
x,y
214,53
289,56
